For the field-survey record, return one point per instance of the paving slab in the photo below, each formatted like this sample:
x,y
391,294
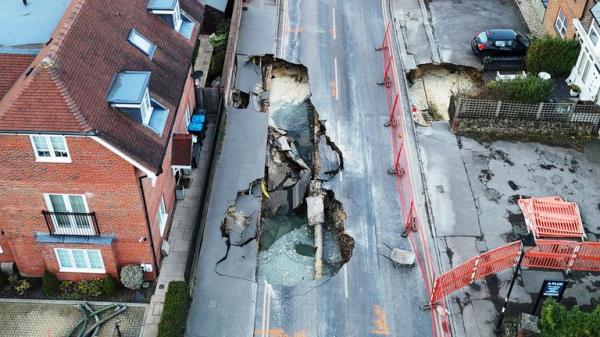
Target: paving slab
x,y
452,204
57,318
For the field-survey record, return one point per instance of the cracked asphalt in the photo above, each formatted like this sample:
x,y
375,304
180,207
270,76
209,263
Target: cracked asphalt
x,y
335,40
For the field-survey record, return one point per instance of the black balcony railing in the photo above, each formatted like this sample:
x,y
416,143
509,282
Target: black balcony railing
x,y
74,224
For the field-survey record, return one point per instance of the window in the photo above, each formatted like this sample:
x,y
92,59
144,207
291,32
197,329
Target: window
x,y
161,216
177,17
483,38
65,218
187,115
146,108
79,260
561,23
50,148
593,32
141,42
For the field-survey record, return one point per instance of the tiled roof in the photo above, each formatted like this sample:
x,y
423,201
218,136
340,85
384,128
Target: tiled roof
x,y
181,151
68,87
11,67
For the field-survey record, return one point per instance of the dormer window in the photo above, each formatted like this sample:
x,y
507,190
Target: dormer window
x,y
141,43
130,94
170,12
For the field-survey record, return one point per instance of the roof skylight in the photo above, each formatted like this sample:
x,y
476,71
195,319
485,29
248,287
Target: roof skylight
x,y
141,43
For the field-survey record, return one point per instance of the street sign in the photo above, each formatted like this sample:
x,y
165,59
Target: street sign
x,y
553,289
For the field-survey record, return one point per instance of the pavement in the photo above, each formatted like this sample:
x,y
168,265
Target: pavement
x,y
453,24
57,318
180,235
473,189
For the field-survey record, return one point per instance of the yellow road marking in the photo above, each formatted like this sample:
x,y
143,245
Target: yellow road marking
x,y
381,327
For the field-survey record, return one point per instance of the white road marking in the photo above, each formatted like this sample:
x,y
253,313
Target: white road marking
x,y
264,309
334,31
337,84
285,28
346,280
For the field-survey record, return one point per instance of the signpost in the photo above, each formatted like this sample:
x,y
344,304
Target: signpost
x,y
554,289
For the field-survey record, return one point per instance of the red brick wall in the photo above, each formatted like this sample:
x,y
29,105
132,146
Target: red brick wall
x,y
112,191
165,183
572,9
108,182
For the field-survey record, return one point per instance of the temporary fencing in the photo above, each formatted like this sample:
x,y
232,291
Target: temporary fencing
x,y
547,254
475,268
412,224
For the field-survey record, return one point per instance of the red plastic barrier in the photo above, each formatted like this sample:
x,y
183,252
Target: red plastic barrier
x,y
404,183
476,268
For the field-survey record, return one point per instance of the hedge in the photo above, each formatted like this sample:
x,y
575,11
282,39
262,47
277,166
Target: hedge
x,y
557,321
529,89
174,314
552,55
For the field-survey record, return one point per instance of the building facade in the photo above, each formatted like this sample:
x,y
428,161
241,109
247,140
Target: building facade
x,y
586,72
90,109
559,16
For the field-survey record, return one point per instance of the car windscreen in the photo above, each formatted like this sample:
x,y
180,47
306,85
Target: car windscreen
x,y
482,37
523,40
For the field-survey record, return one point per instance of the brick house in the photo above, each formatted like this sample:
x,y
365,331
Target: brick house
x,y
95,97
559,15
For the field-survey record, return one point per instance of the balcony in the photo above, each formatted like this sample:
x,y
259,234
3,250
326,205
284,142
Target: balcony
x,y
71,224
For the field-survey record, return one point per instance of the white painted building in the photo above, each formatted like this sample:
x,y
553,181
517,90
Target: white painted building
x,y
586,72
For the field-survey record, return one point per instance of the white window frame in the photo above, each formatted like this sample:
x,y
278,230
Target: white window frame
x,y
146,107
561,23
187,115
52,158
162,216
87,259
594,30
72,220
141,42
177,21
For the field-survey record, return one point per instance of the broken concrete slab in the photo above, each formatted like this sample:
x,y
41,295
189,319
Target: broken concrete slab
x,y
258,22
315,210
240,262
249,76
299,190
283,144
329,159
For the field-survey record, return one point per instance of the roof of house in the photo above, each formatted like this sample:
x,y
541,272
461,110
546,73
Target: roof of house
x,y
29,26
68,88
11,68
181,151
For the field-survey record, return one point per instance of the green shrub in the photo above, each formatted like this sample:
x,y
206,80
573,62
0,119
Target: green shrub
x,y
3,280
557,321
529,89
50,283
22,287
110,286
132,276
552,55
174,314
218,40
89,289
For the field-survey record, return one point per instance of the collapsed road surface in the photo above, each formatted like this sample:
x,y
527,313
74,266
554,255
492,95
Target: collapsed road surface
x,y
335,41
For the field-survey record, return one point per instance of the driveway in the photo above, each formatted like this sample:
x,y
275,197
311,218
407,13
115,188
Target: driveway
x,y
455,22
57,318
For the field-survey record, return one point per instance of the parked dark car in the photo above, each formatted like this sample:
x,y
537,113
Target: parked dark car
x,y
500,42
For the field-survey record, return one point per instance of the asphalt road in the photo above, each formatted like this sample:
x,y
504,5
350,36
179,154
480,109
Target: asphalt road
x,y
335,40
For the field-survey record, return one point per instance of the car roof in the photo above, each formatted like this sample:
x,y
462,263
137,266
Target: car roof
x,y
501,33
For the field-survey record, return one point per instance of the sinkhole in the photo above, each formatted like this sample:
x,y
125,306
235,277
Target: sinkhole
x,y
301,228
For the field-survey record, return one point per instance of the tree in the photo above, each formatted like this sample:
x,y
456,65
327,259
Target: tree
x,y
557,321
